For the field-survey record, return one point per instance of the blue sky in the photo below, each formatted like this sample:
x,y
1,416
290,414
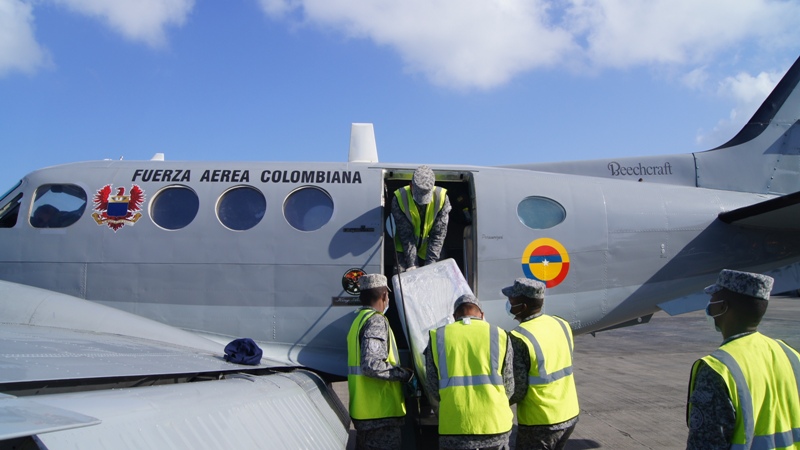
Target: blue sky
x,y
478,82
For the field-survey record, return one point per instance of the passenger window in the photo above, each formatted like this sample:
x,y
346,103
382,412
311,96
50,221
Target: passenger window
x,y
57,205
10,211
174,207
241,208
308,208
540,213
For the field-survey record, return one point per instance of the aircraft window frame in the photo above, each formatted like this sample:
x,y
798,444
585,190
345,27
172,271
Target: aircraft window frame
x,y
173,209
540,213
306,223
245,212
54,205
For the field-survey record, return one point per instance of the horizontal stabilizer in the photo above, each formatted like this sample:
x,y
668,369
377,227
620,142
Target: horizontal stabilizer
x,y
780,213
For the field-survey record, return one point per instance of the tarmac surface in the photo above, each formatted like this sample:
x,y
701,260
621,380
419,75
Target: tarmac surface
x,y
632,382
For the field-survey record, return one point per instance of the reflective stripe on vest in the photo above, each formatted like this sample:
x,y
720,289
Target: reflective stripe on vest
x,y
371,398
471,389
421,229
552,397
745,404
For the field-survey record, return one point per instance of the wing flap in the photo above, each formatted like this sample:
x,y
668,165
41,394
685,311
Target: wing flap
x,y
21,417
780,213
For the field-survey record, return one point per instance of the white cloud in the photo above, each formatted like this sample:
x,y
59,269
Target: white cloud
x,y
747,93
484,43
137,20
19,50
459,43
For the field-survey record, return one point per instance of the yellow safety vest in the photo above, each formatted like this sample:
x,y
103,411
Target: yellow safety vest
x,y
469,355
762,379
406,202
551,397
371,398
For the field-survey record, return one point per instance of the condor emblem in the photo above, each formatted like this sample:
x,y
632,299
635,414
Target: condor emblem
x,y
118,210
350,281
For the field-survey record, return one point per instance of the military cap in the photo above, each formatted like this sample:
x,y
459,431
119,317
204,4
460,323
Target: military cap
x,y
745,283
422,185
525,287
372,281
466,298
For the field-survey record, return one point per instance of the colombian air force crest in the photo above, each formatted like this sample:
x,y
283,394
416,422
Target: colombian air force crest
x,y
118,210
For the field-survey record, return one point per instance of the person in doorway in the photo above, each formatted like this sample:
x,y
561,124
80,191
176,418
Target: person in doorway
x,y
420,212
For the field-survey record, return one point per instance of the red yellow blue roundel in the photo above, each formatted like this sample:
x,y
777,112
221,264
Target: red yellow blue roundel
x,y
546,260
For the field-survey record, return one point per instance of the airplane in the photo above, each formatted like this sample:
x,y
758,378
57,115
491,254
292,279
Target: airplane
x,y
147,269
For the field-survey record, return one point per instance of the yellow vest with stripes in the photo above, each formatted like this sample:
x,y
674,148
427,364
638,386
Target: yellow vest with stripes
x,y
469,355
371,398
551,397
762,379
406,202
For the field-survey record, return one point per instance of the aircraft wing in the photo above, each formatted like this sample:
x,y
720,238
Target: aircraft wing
x,y
79,374
779,213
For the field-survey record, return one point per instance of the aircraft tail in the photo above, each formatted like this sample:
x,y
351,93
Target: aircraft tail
x,y
764,157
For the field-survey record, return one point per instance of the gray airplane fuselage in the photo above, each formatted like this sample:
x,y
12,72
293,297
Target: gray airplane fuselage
x,y
610,250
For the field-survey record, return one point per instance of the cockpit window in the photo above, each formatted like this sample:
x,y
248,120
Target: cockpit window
x,y
19,183
174,207
540,213
9,212
308,208
241,208
57,205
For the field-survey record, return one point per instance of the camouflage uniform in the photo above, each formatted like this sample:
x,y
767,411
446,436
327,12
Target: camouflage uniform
x,y
713,415
378,433
493,441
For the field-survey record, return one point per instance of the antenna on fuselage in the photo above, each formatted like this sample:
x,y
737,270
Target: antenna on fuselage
x,y
362,143
157,157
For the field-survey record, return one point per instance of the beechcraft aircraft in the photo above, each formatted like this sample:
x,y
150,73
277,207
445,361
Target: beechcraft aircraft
x,y
122,280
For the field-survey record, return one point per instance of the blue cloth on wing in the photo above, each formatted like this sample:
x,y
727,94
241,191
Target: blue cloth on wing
x,y
243,351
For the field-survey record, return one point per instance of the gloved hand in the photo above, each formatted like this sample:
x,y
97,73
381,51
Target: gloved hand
x,y
411,386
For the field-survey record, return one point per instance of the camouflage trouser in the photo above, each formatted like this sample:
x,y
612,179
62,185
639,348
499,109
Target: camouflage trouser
x,y
383,438
542,438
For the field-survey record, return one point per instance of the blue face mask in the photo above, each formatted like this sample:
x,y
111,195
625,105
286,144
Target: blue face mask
x,y
710,318
509,306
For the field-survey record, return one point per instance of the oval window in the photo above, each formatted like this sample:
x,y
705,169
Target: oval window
x,y
57,205
174,207
308,208
540,213
241,208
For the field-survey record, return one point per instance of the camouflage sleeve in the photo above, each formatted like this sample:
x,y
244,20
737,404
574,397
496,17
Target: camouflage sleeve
x,y
438,233
405,232
374,351
712,417
522,364
508,367
431,374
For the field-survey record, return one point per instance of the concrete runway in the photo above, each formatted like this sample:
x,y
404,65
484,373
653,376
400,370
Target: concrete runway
x,y
632,382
